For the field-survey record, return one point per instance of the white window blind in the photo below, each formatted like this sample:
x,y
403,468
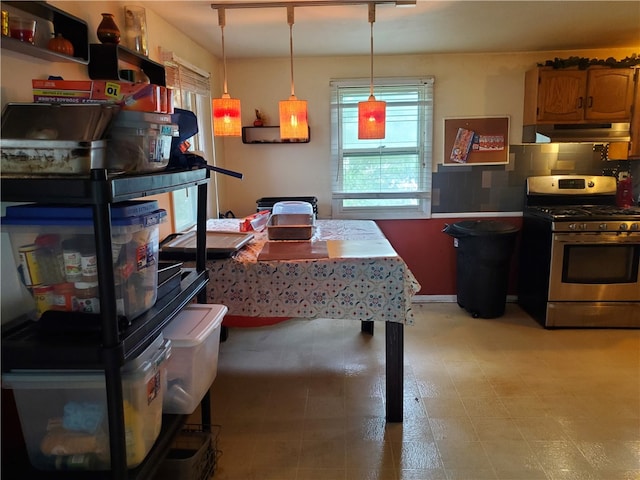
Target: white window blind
x,y
388,178
191,91
182,75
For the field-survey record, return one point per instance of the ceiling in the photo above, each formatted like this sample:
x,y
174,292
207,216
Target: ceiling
x,y
440,26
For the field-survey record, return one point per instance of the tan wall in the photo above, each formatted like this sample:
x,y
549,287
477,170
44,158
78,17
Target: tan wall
x,y
465,85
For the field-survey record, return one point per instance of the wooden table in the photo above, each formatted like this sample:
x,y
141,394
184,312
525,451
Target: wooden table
x,y
348,270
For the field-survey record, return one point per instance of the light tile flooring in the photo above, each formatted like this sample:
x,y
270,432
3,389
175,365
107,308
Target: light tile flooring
x,y
483,399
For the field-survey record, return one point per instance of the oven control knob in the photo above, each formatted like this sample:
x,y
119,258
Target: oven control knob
x,y
623,226
582,226
635,226
572,226
602,226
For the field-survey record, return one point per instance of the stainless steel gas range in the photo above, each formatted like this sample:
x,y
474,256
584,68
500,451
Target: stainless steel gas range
x,y
579,254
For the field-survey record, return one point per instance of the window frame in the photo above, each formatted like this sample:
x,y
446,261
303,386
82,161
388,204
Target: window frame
x,y
424,149
191,91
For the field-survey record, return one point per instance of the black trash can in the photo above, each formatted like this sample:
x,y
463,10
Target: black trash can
x,y
484,250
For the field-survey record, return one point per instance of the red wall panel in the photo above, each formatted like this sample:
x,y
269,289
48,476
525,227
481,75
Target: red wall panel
x,y
430,253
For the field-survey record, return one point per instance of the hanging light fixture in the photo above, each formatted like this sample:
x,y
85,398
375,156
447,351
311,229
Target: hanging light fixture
x,y
226,110
372,113
293,112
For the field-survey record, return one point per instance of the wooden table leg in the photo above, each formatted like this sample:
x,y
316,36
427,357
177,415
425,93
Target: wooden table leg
x,y
394,348
366,326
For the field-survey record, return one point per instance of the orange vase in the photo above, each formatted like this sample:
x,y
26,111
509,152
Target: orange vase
x,y
108,31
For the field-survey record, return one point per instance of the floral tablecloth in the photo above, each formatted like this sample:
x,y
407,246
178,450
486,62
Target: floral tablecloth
x,y
359,287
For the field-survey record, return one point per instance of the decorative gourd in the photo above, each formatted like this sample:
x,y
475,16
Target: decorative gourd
x,y
61,45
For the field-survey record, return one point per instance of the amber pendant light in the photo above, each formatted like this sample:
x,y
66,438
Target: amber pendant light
x,y
372,113
227,121
293,112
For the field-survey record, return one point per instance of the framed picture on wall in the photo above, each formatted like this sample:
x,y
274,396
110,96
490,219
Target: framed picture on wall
x,y
476,141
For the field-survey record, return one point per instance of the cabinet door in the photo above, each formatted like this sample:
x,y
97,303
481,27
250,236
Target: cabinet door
x,y
609,94
634,152
561,95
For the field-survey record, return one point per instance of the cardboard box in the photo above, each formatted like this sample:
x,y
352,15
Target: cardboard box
x,y
143,97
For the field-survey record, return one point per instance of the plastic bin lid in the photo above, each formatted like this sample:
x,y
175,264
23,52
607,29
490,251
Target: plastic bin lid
x,y
481,228
194,324
126,209
85,379
125,116
292,206
160,343
82,217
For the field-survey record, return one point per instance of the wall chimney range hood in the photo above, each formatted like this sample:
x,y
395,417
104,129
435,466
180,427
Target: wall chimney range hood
x,y
576,133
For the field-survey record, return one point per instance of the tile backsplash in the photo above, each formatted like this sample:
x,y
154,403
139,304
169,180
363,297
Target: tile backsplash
x,y
500,188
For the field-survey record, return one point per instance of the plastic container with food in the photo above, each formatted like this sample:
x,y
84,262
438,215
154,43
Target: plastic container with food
x,y
70,430
54,246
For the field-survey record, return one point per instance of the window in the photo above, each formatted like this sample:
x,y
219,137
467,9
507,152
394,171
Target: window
x,y
388,178
191,91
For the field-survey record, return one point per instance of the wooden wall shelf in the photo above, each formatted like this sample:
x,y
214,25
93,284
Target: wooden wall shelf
x,y
50,19
267,135
106,62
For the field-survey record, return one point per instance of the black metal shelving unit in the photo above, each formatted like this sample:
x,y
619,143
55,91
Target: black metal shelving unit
x,y
113,343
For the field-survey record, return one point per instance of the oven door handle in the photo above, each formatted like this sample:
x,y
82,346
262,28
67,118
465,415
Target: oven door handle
x,y
594,238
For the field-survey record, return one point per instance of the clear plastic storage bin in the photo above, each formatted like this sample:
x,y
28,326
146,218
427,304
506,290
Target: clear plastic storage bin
x,y
140,141
192,368
55,254
63,413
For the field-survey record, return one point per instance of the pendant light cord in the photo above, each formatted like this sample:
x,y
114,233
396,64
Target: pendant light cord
x,y
372,18
371,83
290,22
221,22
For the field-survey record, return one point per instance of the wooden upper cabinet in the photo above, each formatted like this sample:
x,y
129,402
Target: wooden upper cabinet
x,y
578,96
561,95
609,94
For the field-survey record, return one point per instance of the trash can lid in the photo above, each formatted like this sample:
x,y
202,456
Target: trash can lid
x,y
481,228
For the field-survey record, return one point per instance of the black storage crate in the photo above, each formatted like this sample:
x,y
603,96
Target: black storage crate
x,y
192,456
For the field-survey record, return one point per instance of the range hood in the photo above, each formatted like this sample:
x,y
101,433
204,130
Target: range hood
x,y
586,133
